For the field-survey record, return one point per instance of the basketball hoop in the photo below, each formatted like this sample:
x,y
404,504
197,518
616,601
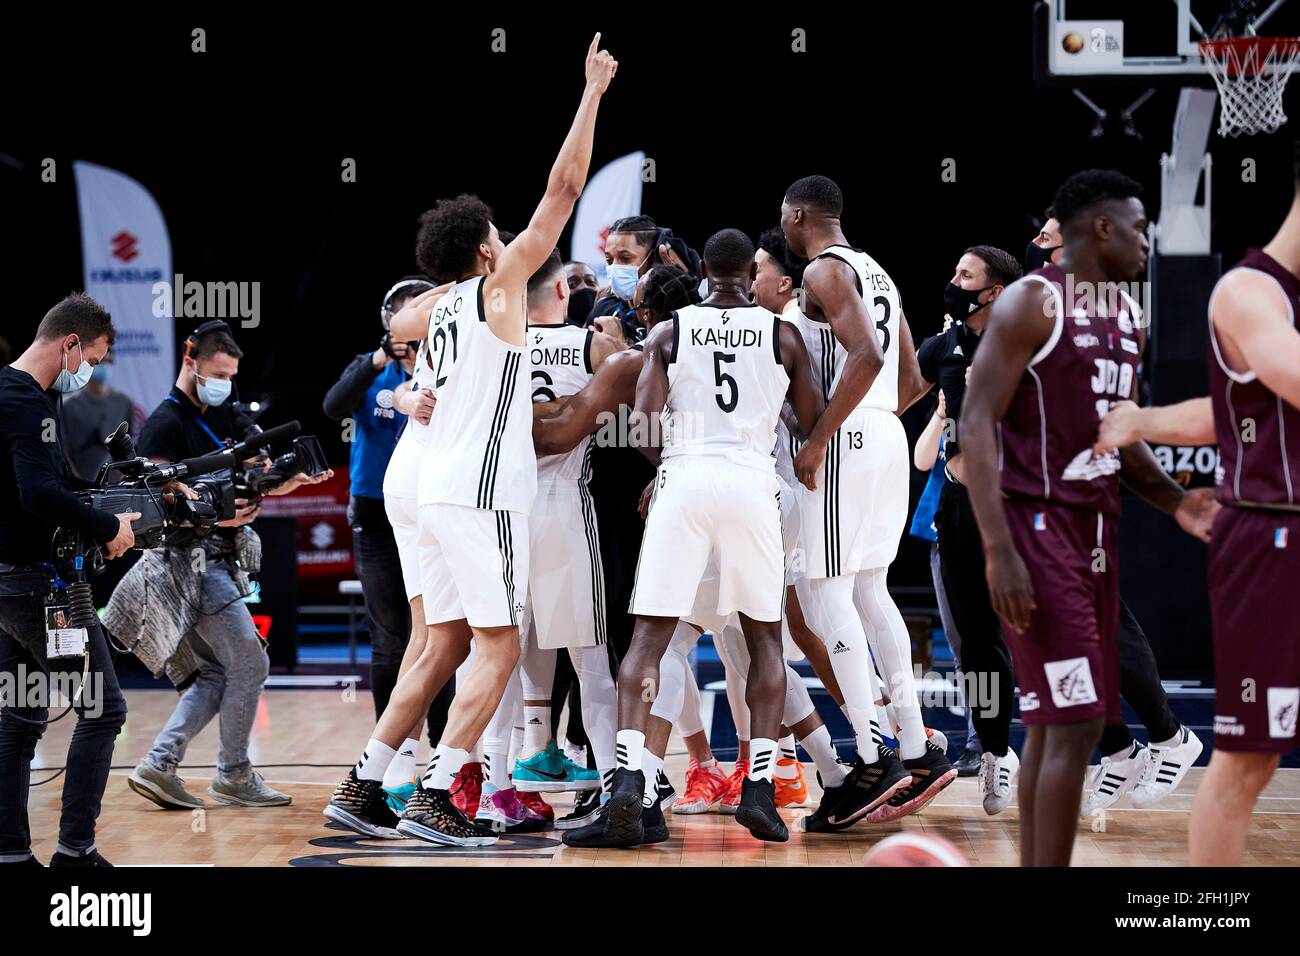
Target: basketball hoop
x,y
1251,74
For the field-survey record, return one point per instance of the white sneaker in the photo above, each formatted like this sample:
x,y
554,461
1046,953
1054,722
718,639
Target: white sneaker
x,y
996,775
1112,778
1166,768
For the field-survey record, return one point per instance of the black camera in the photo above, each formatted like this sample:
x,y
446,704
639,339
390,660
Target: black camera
x,y
219,475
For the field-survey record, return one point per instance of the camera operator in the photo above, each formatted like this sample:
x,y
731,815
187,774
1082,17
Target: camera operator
x,y
372,392
35,499
181,608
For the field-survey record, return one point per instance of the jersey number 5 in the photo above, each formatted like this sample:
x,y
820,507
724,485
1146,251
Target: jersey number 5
x,y
725,380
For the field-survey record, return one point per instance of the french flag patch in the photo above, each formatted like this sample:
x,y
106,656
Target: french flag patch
x,y
1040,522
1279,538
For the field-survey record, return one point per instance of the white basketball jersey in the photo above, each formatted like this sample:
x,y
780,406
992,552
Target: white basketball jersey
x,y
561,365
480,448
884,306
402,477
726,384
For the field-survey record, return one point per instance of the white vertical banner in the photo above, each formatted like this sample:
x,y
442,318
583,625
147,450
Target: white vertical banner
x,y
126,250
611,194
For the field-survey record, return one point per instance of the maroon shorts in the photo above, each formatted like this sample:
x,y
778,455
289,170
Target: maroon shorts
x,y
1067,659
1255,609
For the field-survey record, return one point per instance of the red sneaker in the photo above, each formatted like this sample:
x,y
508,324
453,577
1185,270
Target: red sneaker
x,y
467,789
704,788
731,801
534,802
790,791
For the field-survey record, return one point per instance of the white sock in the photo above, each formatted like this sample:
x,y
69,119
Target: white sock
x,y
402,770
822,750
629,745
787,770
762,758
496,769
1174,741
516,745
651,765
537,728
709,764
375,760
606,778
443,767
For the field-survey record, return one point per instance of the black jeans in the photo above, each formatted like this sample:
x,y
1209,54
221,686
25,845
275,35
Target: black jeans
x,y
388,612
985,659
1139,685
101,712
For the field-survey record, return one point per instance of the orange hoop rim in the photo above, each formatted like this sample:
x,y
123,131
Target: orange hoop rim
x,y
1221,49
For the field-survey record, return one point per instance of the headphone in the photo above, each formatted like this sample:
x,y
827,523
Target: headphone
x,y
212,325
386,310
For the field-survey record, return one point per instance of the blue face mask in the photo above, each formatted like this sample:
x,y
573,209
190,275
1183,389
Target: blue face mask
x,y
73,381
623,279
212,391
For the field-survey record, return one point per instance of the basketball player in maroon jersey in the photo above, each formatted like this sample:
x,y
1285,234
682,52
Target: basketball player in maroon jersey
x,y
1253,413
1060,347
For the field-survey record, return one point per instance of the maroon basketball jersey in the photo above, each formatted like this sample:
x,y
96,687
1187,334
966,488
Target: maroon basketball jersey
x,y
1258,433
1087,364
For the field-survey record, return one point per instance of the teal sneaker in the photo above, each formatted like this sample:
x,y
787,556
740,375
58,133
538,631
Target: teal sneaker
x,y
549,771
398,796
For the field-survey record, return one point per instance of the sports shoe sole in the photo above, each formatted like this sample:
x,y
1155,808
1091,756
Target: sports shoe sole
x,y
760,825
231,800
888,813
418,831
623,825
357,825
555,786
576,822
861,814
699,806
154,794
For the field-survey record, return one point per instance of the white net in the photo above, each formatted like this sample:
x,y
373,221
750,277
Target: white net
x,y
1251,75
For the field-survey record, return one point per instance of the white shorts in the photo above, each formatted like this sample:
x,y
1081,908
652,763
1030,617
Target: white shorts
x,y
566,589
403,515
473,565
705,506
855,519
791,522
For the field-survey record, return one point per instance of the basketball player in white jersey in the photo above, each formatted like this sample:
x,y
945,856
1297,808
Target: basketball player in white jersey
x,y
566,587
478,477
856,462
718,374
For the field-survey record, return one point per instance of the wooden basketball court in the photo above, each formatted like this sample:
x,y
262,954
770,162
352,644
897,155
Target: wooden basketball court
x,y
316,734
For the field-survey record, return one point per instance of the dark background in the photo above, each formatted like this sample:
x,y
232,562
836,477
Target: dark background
x,y
242,147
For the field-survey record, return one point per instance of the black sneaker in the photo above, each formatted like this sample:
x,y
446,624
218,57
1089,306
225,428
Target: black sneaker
x,y
866,787
82,860
623,825
968,764
432,817
360,806
757,811
931,772
592,836
818,820
664,789
584,811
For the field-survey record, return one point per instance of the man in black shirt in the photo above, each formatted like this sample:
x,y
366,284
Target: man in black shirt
x,y
199,589
944,359
35,499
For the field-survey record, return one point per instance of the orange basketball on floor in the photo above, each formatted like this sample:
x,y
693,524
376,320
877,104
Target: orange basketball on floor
x,y
915,849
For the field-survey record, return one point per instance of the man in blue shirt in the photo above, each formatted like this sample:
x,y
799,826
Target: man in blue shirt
x,y
366,394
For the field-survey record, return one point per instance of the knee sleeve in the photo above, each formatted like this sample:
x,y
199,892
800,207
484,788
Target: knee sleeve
x,y
798,702
599,702
690,721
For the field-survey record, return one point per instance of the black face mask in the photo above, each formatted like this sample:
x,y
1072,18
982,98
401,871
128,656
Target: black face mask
x,y
581,302
962,303
1036,256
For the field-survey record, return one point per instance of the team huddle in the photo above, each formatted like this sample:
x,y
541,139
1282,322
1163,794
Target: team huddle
x,y
769,410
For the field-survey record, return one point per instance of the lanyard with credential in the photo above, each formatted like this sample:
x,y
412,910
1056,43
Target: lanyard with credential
x,y
202,424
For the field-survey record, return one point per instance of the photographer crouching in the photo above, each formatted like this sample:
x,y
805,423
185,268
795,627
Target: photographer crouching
x,y
36,498
181,608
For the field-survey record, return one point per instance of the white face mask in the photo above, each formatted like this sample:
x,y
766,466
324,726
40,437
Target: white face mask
x,y
67,381
211,391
